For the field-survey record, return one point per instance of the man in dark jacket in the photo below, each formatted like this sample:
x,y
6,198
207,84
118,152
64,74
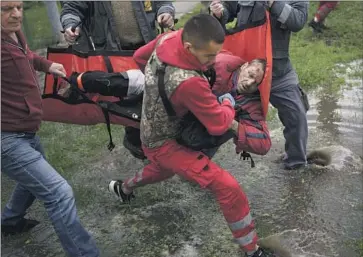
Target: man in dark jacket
x,y
22,155
286,94
116,25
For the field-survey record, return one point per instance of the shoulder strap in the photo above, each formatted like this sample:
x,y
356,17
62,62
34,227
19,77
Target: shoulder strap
x,y
161,86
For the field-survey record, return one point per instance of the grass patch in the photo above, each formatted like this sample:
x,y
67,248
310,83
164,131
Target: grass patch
x,y
315,56
70,147
197,9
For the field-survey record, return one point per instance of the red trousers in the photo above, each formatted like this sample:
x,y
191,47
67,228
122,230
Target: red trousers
x,y
172,158
325,7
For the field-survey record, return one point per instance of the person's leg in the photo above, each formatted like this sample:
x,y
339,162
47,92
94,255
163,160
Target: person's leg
x,y
198,168
286,98
325,7
22,163
132,142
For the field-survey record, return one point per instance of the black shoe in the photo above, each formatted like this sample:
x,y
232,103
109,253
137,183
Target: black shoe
x,y
263,253
115,187
132,143
316,26
24,225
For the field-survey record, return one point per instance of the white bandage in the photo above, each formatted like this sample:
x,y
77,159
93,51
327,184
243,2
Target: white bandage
x,y
136,82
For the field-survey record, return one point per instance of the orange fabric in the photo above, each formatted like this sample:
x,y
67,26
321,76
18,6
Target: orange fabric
x,y
251,44
79,81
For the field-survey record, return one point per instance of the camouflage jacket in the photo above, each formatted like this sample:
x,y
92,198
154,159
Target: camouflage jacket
x,y
156,126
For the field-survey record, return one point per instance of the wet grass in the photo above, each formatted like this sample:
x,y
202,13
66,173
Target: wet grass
x,y
316,55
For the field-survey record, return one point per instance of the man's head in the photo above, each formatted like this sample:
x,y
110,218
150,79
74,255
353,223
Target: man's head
x,y
203,36
250,76
11,16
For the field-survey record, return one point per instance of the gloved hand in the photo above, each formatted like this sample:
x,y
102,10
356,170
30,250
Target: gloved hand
x,y
227,96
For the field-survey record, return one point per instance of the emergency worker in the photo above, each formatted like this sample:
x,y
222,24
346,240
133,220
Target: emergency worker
x,y
179,58
115,26
286,94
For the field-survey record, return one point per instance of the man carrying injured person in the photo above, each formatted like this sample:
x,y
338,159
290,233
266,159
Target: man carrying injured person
x,y
186,54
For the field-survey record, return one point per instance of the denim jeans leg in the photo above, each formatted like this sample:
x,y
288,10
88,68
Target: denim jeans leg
x,y
23,163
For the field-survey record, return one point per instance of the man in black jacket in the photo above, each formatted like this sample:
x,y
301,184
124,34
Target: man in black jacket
x,y
286,94
115,26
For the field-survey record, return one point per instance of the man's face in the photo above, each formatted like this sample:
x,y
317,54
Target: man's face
x,y
251,75
11,16
206,55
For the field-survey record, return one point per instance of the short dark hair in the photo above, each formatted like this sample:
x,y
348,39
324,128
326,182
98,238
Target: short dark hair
x,y
201,29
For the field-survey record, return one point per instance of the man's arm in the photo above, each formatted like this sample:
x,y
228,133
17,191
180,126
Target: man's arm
x,y
142,55
196,96
294,14
73,12
164,7
229,12
39,62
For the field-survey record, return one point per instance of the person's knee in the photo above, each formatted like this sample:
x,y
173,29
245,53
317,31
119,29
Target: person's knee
x,y
227,187
63,192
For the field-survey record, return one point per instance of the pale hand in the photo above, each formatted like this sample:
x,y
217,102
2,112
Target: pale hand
x,y
57,69
216,8
166,20
71,36
270,2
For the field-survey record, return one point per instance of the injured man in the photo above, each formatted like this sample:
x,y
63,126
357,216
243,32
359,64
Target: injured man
x,y
233,78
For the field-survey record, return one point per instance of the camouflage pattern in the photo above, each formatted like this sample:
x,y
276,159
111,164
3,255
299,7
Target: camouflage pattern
x,y
156,126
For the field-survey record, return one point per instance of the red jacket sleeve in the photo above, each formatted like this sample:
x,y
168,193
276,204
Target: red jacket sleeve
x,y
142,55
196,96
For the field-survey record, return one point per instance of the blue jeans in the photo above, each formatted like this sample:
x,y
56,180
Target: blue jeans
x,y
23,160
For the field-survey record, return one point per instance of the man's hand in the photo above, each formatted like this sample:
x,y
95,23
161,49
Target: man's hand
x,y
57,69
166,20
71,36
216,8
228,97
270,2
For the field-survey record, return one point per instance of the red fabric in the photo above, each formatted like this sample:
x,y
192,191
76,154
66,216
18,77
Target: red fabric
x,y
251,44
325,7
21,108
193,94
252,137
195,167
84,114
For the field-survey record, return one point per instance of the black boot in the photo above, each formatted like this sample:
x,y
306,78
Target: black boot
x,y
132,142
24,225
316,26
263,253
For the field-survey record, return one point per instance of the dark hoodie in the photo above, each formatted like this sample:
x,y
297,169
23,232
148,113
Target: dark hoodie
x,y
21,103
194,94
